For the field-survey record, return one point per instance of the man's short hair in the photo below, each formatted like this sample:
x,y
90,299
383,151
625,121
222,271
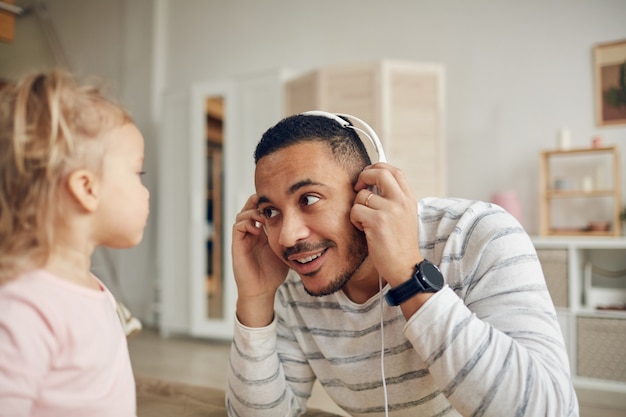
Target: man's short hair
x,y
343,142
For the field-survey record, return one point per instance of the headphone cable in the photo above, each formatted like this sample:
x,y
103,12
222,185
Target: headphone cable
x,y
382,345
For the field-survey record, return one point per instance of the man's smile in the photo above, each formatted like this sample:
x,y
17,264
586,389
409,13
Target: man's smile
x,y
307,259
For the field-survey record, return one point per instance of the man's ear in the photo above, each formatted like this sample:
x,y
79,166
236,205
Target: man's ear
x,y
83,186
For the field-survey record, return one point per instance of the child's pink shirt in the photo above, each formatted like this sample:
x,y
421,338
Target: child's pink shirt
x,y
62,351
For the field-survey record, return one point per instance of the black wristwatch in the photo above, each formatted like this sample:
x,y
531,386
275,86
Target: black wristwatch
x,y
426,278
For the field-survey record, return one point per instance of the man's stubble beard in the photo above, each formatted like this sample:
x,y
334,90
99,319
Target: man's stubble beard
x,y
357,253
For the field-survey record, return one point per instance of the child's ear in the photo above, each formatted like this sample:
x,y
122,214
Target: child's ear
x,y
83,187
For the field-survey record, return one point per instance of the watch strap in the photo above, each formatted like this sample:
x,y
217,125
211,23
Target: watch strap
x,y
426,278
401,293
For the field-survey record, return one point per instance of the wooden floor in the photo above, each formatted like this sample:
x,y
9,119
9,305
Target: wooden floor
x,y
203,362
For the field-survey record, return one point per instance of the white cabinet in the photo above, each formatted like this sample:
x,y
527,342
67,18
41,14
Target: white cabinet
x,y
203,182
587,281
402,101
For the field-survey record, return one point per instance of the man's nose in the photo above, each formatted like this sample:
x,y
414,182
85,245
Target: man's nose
x,y
293,229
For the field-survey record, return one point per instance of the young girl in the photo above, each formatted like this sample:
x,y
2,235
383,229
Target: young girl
x,y
70,180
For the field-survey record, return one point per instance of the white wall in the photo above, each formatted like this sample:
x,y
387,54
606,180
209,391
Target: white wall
x,y
516,72
112,39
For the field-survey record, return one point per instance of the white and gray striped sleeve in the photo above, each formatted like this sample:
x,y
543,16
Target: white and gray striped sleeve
x,y
491,338
257,385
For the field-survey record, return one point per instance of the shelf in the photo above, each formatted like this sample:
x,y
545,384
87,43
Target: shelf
x,y
575,210
214,131
579,151
214,108
601,313
579,232
554,193
582,242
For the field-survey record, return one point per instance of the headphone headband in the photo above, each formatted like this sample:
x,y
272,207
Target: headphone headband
x,y
363,128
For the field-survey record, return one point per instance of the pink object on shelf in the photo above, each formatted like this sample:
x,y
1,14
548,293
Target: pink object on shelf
x,y
596,142
509,201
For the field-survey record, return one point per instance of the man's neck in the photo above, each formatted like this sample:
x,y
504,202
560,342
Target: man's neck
x,y
364,284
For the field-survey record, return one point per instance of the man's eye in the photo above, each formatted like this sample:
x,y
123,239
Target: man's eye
x,y
308,200
269,212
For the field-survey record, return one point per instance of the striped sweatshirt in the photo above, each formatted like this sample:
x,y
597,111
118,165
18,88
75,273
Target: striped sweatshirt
x,y
488,344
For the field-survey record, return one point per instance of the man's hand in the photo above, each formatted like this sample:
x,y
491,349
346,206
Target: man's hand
x,y
389,220
258,271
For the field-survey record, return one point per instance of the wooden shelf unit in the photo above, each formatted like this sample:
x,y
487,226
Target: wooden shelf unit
x,y
550,193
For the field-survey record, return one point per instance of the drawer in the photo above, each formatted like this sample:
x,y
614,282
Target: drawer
x,y
554,265
601,344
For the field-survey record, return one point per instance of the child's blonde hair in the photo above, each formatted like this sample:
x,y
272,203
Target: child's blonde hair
x,y
49,126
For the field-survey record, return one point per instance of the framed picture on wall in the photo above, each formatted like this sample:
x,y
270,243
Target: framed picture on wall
x,y
610,82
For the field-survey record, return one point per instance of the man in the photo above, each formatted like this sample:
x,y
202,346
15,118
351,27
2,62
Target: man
x,y
337,282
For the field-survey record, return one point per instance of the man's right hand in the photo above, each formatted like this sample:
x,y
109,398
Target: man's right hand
x,y
258,271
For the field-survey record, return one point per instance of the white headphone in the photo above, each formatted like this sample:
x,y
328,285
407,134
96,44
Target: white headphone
x,y
363,128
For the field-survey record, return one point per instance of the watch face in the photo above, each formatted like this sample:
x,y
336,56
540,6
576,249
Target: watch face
x,y
432,275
